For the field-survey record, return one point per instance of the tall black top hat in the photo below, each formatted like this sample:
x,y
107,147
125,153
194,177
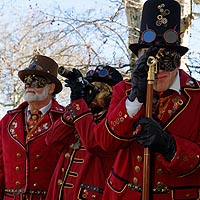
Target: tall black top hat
x,y
160,26
43,66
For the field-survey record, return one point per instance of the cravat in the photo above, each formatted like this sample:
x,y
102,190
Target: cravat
x,y
35,115
160,103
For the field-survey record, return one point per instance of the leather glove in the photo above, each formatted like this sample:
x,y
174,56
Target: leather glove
x,y
76,85
155,138
90,93
139,76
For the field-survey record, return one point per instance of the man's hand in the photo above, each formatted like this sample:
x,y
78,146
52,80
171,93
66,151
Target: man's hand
x,y
139,76
76,85
155,138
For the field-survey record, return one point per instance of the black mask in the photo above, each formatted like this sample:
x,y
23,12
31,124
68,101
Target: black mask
x,y
36,81
168,60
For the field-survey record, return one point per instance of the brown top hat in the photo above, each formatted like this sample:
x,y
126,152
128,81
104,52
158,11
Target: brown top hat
x,y
160,26
45,67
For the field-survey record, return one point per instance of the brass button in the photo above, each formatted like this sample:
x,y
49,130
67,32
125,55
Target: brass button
x,y
19,155
139,158
159,171
85,193
121,119
160,184
135,180
37,156
36,169
93,196
60,182
67,155
137,169
17,168
35,185
63,169
17,183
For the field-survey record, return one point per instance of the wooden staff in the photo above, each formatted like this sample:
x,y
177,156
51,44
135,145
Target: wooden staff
x,y
152,63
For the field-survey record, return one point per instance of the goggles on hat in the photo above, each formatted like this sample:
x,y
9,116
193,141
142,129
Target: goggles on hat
x,y
36,81
98,72
170,36
34,66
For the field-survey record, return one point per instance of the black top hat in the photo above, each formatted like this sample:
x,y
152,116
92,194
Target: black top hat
x,y
104,73
45,67
160,26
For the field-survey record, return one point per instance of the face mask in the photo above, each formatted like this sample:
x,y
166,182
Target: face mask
x,y
35,81
168,60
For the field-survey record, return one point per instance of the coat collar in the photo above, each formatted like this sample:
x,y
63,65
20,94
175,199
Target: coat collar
x,y
180,101
56,107
18,117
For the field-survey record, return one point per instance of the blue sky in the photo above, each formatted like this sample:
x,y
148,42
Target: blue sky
x,y
49,6
68,4
81,5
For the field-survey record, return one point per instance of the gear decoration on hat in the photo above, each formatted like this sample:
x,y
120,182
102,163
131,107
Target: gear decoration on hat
x,y
161,17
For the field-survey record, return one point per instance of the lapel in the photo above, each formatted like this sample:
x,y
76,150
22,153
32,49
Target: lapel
x,y
17,126
180,102
174,107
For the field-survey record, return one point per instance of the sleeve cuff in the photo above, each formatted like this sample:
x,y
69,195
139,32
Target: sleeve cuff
x,y
133,107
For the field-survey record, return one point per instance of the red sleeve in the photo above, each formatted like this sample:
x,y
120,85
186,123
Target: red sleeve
x,y
116,131
85,125
61,132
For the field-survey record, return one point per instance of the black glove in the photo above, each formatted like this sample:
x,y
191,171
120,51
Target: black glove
x,y
76,84
139,76
90,93
155,138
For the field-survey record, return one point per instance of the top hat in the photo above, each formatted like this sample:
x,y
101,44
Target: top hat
x,y
45,67
160,26
105,74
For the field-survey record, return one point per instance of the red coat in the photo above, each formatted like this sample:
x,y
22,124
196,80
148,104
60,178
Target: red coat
x,y
178,179
80,173
26,167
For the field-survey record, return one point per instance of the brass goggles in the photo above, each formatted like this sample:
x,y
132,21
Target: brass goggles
x,y
35,81
170,36
34,66
98,72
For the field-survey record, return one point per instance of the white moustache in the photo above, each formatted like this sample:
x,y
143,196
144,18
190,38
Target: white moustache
x,y
30,90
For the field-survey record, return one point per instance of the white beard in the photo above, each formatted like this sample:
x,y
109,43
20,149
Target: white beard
x,y
31,95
